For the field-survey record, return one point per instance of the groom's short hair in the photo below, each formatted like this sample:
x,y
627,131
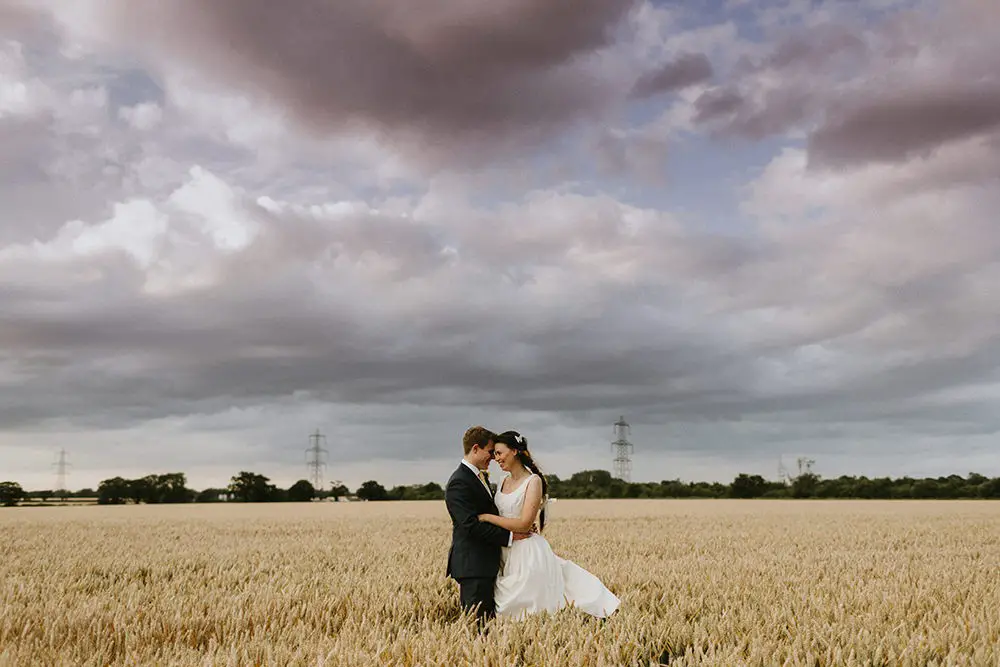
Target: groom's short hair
x,y
477,435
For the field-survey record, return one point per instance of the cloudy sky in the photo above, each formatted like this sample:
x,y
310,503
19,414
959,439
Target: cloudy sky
x,y
755,228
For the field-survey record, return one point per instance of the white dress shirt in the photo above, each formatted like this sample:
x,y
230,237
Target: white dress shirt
x,y
476,472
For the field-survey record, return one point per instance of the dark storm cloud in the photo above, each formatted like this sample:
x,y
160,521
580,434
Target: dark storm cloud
x,y
899,87
372,309
435,76
892,128
266,331
686,70
420,332
133,86
37,199
43,180
746,107
822,46
717,103
732,113
19,19
24,158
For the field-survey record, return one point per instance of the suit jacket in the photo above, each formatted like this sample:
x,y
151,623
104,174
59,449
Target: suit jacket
x,y
475,544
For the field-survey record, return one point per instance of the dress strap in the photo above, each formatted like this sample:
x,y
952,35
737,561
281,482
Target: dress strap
x,y
526,482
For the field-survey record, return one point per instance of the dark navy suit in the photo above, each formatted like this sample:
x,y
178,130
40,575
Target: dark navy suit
x,y
474,557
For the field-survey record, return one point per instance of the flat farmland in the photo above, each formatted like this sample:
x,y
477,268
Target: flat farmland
x,y
702,583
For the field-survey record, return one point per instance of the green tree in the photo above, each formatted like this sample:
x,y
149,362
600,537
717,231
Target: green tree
x,y
748,486
594,484
990,489
143,490
975,479
249,487
372,490
302,491
338,491
172,488
431,491
926,488
113,491
11,494
881,487
804,486
210,495
674,488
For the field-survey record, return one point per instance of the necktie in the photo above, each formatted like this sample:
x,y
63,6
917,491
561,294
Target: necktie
x,y
484,477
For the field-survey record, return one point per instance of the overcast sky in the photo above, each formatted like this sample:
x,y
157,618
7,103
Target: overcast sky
x,y
756,229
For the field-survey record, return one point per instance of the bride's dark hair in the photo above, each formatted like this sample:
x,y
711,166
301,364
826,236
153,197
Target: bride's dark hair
x,y
517,442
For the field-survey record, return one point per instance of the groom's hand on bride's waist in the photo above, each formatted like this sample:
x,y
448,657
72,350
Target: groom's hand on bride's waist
x,y
531,531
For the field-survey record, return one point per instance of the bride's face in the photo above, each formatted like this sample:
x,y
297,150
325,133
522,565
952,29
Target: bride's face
x,y
505,456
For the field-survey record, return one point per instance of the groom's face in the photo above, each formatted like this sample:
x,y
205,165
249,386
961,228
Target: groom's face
x,y
482,456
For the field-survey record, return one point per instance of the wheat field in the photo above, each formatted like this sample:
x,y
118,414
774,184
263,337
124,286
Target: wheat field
x,y
702,583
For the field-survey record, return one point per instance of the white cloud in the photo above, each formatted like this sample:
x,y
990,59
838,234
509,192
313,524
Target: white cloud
x,y
136,228
230,116
216,206
143,116
20,93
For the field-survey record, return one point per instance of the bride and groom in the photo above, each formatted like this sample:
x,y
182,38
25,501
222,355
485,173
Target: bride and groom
x,y
498,556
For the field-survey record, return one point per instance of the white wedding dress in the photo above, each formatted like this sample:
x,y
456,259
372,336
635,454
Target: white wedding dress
x,y
533,578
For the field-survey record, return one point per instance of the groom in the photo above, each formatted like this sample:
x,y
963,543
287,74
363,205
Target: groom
x,y
474,558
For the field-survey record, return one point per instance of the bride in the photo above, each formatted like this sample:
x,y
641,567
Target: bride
x,y
532,577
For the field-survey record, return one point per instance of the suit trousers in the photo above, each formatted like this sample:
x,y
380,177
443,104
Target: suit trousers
x,y
477,592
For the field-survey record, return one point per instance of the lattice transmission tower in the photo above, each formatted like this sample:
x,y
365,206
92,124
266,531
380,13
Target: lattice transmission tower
x,y
805,465
622,449
784,476
314,459
61,466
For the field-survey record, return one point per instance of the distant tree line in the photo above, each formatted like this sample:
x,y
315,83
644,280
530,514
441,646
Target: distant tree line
x,y
600,484
252,487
